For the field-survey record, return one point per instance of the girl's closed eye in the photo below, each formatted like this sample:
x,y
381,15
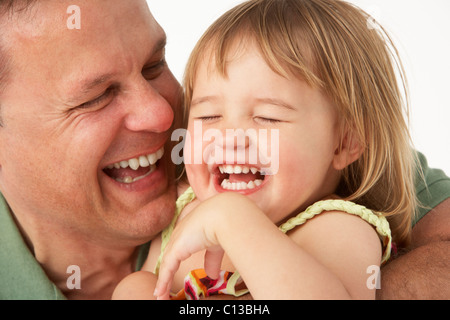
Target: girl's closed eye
x,y
208,118
267,120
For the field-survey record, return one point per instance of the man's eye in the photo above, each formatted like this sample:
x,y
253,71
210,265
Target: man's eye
x,y
99,100
154,70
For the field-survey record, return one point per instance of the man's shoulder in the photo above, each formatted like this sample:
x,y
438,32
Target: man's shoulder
x,y
432,187
21,276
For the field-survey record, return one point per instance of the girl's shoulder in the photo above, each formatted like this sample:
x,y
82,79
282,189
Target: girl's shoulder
x,y
343,243
339,224
350,214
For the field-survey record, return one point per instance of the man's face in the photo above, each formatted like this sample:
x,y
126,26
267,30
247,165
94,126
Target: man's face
x,y
77,104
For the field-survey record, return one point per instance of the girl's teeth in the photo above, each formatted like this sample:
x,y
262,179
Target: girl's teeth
x,y
227,185
237,169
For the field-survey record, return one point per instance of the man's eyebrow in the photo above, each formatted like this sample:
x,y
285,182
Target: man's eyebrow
x,y
160,45
84,87
90,84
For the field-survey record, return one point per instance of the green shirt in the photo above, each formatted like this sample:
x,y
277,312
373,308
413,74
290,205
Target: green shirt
x,y
431,192
21,276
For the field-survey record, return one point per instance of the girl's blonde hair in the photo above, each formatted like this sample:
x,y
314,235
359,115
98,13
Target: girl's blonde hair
x,y
339,49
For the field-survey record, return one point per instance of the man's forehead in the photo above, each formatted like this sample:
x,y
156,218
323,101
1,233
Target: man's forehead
x,y
103,23
115,35
44,18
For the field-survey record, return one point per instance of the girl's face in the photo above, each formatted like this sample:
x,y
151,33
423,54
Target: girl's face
x,y
300,125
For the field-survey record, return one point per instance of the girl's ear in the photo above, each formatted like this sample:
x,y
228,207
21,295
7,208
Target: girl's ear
x,y
348,152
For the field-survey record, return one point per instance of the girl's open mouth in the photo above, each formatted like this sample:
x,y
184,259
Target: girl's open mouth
x,y
239,177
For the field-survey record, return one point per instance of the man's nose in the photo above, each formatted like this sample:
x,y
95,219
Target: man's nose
x,y
148,110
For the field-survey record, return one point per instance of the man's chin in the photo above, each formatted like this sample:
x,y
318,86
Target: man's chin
x,y
147,221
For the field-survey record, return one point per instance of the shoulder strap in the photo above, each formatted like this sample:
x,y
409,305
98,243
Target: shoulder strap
x,y
378,221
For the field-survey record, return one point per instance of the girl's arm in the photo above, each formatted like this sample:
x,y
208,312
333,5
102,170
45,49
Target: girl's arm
x,y
325,259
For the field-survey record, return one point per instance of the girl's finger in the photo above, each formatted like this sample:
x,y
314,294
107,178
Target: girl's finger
x,y
213,262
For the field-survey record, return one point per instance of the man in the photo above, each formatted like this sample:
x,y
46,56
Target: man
x,y
423,272
81,107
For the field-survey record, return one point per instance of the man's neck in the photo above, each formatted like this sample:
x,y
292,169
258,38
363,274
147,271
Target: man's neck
x,y
96,278
81,268
91,275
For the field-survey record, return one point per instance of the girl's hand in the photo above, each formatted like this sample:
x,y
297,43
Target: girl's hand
x,y
194,233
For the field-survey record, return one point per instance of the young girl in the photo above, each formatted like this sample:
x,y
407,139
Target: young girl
x,y
324,79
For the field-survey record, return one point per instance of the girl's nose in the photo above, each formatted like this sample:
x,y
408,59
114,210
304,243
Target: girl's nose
x,y
236,139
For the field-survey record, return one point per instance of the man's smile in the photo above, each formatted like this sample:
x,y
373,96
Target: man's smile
x,y
135,169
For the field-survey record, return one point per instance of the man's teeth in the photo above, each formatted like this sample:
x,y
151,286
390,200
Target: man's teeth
x,y
142,161
129,180
148,161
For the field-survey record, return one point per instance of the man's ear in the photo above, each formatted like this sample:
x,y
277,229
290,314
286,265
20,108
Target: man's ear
x,y
347,152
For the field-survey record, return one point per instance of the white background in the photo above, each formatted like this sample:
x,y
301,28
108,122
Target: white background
x,y
420,29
